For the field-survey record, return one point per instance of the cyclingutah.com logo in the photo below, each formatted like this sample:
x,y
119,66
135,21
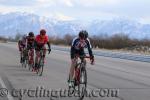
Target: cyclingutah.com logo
x,y
41,92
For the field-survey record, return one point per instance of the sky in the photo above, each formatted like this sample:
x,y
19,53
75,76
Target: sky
x,y
81,9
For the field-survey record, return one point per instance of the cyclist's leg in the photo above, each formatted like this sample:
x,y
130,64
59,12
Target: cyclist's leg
x,y
20,51
24,51
37,52
28,52
71,73
32,55
21,54
19,46
32,52
72,68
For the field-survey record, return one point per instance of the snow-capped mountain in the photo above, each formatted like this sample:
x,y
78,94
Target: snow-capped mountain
x,y
132,28
13,23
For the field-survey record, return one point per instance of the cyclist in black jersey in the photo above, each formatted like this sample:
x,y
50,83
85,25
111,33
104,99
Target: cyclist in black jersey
x,y
77,48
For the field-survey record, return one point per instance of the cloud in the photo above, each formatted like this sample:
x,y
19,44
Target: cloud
x,y
45,3
42,1
68,3
80,8
96,3
145,20
17,2
4,9
62,17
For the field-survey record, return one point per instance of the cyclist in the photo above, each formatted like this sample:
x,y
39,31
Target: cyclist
x,y
40,42
77,48
22,43
30,44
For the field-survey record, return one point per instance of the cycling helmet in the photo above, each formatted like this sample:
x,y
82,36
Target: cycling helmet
x,y
31,34
24,37
86,34
42,32
83,34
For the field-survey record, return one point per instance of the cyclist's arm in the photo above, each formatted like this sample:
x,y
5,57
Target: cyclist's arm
x,y
49,46
90,51
19,42
89,48
35,45
74,41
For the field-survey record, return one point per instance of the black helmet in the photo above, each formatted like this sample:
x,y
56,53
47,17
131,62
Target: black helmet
x,y
83,34
86,34
31,34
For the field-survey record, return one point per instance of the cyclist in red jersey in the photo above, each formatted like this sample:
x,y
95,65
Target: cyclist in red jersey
x,y
40,41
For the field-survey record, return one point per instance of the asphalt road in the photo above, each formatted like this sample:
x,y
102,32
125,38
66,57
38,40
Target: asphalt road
x,y
109,79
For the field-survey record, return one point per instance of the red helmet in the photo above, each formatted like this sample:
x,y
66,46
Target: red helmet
x,y
42,32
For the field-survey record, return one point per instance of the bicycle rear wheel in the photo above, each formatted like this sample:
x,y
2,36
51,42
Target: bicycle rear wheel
x,y
24,63
25,58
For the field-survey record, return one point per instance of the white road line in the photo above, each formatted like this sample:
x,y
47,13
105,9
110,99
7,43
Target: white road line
x,y
4,86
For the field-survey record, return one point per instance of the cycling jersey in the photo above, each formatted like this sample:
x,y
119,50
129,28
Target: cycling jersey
x,y
22,42
41,41
79,45
30,42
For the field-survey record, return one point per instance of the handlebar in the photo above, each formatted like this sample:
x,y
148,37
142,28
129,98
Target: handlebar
x,y
43,49
84,56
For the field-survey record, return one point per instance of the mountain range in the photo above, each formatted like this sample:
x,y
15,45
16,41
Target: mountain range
x,y
13,23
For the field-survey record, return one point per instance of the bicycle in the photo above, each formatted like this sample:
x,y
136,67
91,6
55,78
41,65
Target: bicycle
x,y
24,56
40,66
80,78
31,58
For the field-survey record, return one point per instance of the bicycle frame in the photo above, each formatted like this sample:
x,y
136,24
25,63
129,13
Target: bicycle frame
x,y
31,58
78,68
80,76
41,62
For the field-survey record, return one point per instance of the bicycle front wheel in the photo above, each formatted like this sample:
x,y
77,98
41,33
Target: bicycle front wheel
x,y
83,82
30,66
40,71
40,67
